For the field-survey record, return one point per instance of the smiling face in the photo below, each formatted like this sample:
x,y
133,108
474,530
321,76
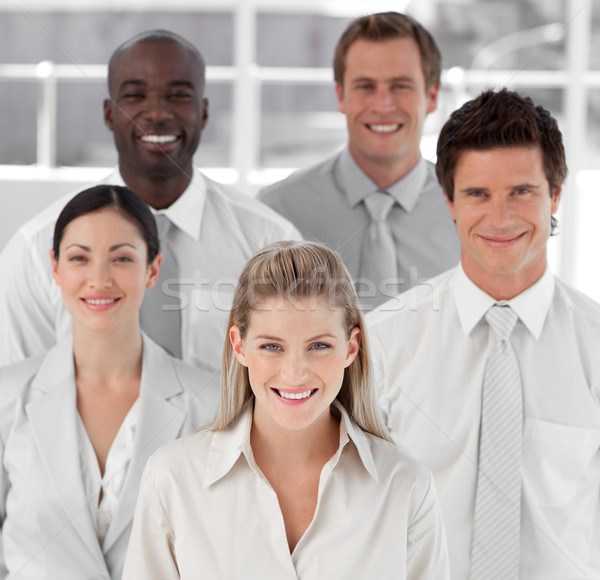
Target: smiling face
x,y
296,353
385,101
502,208
157,111
102,271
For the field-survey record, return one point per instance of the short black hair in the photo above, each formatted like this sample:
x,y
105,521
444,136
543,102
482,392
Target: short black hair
x,y
150,35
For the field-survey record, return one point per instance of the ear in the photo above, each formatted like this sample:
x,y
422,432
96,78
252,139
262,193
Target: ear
x,y
235,337
55,273
450,207
432,97
204,112
555,200
108,117
339,91
353,346
153,271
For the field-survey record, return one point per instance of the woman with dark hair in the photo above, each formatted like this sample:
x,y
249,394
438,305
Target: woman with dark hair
x,y
78,424
297,477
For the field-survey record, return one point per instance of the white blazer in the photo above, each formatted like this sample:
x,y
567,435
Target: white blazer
x,y
47,530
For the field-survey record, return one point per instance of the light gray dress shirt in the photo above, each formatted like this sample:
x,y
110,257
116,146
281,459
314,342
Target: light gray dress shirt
x,y
217,230
207,511
326,203
429,349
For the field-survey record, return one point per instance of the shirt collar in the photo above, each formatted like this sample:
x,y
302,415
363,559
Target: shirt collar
x,y
229,444
351,431
357,185
186,211
531,305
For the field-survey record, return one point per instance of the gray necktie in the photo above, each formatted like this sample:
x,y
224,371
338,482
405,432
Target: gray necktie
x,y
496,530
160,315
378,260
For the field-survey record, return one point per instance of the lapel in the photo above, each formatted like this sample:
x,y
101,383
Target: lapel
x,y
159,423
52,416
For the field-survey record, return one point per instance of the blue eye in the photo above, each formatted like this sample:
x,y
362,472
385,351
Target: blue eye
x,y
320,346
270,347
123,259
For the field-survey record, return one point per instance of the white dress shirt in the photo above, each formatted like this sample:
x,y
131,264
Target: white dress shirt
x,y
429,349
207,511
217,230
105,490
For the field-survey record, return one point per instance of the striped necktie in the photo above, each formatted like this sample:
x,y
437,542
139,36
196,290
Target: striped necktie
x,y
496,541
160,315
378,260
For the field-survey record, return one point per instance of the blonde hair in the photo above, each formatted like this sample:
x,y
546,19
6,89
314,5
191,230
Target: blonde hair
x,y
297,270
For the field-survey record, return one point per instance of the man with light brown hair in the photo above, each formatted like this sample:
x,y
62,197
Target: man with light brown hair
x,y
378,201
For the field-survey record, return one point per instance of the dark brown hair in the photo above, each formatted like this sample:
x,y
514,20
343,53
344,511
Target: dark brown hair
x,y
500,119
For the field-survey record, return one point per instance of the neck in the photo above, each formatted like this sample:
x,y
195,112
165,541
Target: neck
x,y
503,286
101,358
161,191
274,445
382,172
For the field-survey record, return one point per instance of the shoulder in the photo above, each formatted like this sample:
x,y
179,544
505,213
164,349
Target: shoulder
x,y
15,378
33,240
313,177
427,297
190,378
16,388
247,210
42,224
578,302
397,468
181,460
584,311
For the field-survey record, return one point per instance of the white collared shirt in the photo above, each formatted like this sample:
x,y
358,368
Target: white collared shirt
x,y
429,348
217,230
206,511
103,491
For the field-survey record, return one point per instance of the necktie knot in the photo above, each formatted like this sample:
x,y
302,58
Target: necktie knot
x,y
162,225
379,203
502,319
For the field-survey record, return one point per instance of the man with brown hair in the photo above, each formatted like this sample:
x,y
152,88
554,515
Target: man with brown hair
x,y
378,202
493,378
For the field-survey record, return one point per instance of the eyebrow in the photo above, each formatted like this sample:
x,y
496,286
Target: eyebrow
x,y
515,186
364,79
140,83
278,339
111,249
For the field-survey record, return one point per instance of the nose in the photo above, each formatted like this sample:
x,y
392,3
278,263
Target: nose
x,y
383,101
157,108
100,276
294,371
500,214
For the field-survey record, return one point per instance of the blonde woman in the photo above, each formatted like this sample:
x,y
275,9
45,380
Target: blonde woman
x,y
297,477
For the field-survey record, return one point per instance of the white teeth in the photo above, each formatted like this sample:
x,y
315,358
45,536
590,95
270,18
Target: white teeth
x,y
101,301
303,395
159,138
384,128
